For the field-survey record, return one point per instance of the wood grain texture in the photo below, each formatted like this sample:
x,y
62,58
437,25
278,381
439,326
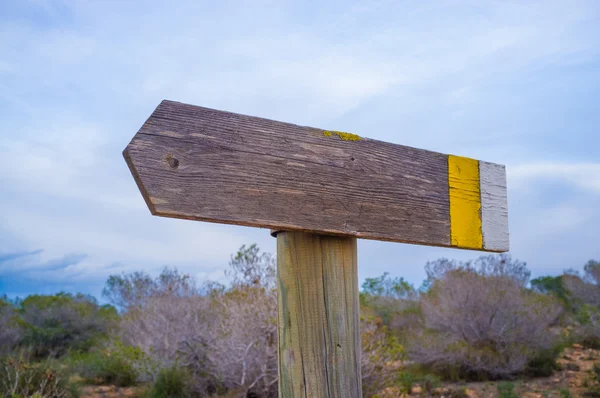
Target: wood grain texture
x,y
202,164
465,202
494,206
319,339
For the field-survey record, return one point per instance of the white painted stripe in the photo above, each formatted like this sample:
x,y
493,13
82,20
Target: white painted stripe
x,y
494,206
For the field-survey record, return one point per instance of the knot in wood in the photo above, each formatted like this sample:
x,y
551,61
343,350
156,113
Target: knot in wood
x,y
173,162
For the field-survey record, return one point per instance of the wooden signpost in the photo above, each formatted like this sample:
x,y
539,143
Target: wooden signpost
x,y
317,190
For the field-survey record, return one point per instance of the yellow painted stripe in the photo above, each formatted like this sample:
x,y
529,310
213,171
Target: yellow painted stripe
x,y
465,202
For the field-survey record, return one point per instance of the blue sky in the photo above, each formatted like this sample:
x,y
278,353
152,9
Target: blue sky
x,y
512,82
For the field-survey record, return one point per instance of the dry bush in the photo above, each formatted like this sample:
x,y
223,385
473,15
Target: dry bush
x,y
237,350
478,319
39,380
163,323
131,291
501,265
225,338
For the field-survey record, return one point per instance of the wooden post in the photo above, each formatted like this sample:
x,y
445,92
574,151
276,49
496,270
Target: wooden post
x,y
319,337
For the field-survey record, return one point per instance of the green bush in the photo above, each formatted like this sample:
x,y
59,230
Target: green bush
x,y
380,352
507,390
587,332
387,297
555,286
53,325
173,382
45,379
564,393
596,371
544,364
406,381
119,365
429,383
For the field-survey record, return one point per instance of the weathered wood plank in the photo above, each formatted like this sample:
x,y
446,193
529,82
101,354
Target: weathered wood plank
x,y
202,164
319,339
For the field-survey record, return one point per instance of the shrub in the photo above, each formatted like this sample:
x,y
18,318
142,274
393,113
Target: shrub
x,y
129,291
173,382
564,393
381,357
406,381
596,371
490,266
586,289
585,305
587,329
51,325
458,392
480,321
555,286
429,383
225,338
238,348
391,299
507,390
9,329
544,363
44,380
119,365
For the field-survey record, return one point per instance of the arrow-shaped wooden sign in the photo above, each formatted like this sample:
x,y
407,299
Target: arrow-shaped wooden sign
x,y
321,189
208,165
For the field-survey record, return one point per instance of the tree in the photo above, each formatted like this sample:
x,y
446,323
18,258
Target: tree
x,y
52,325
250,267
386,286
592,272
553,286
127,291
389,298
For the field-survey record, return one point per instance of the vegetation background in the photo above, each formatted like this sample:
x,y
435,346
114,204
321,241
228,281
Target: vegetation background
x,y
173,336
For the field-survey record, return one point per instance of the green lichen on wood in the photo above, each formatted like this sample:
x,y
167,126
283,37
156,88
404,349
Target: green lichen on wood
x,y
344,136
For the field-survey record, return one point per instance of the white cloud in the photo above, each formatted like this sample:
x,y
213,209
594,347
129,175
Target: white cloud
x,y
583,176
